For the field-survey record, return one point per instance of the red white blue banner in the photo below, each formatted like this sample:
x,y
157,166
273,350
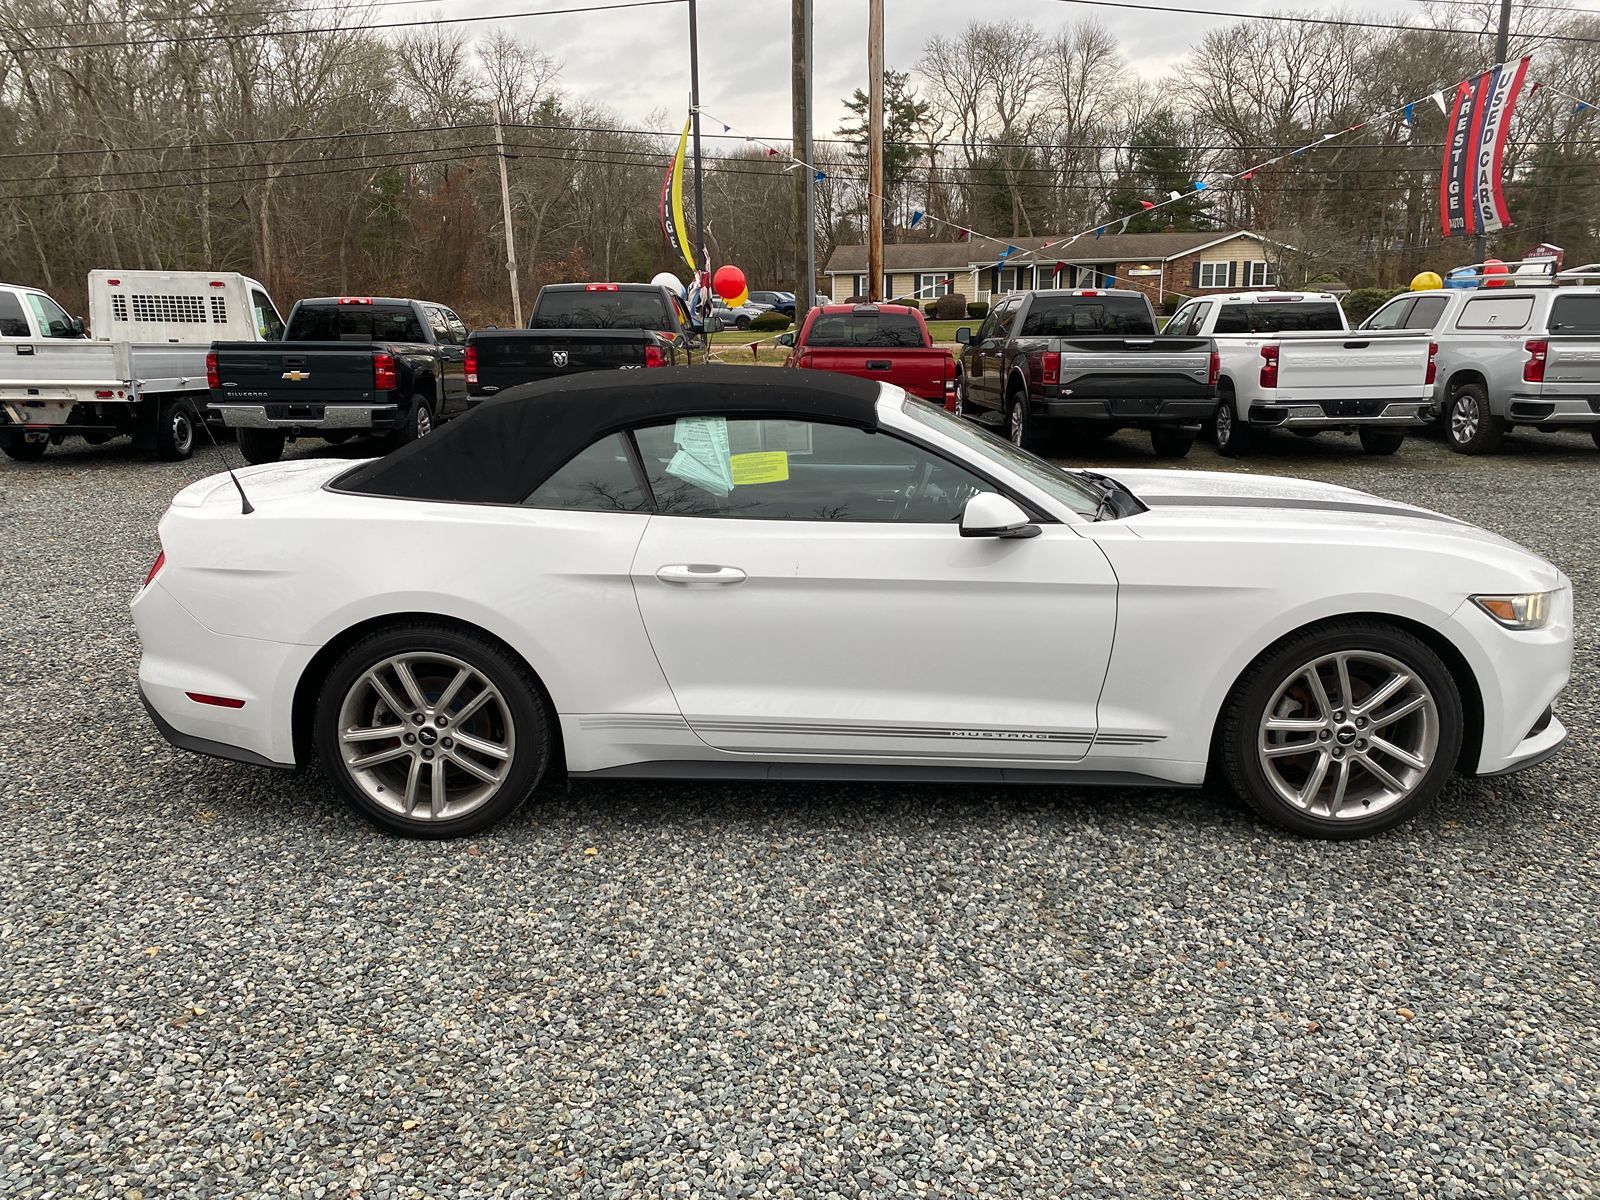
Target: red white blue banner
x,y
1472,197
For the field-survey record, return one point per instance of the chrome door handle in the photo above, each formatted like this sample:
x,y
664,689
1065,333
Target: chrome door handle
x,y
690,574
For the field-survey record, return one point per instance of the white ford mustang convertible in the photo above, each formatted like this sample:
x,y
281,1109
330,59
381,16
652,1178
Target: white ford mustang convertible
x,y
722,572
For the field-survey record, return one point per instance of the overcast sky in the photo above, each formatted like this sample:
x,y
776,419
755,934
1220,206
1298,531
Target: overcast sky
x,y
637,62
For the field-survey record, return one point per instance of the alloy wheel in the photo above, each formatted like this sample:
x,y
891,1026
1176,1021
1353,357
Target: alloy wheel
x,y
426,736
1464,418
1348,735
424,421
1224,423
1018,421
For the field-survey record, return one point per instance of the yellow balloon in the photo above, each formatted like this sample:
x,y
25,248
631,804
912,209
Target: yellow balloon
x,y
1426,281
740,300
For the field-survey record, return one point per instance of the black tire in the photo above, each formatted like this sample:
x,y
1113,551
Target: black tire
x,y
338,437
1380,441
177,426
1171,443
528,725
1238,753
960,410
1595,434
1470,426
419,423
741,322
261,445
1233,437
17,446
1021,427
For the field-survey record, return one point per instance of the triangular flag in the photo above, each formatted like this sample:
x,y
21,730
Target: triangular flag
x,y
1199,185
916,216
1411,114
1101,230
771,153
1146,205
1582,106
949,281
1060,267
1250,174
820,177
754,350
1124,226
1174,195
1438,98
727,129
793,166
966,235
1007,253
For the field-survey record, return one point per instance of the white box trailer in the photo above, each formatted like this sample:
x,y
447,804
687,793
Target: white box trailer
x,y
141,368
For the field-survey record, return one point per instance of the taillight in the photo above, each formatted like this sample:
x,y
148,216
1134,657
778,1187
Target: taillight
x,y
469,360
653,357
355,299
1433,365
212,378
949,377
155,569
600,287
1215,372
1050,368
1533,369
1269,366
384,376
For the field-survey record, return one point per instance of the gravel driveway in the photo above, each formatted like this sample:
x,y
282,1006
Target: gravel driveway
x,y
219,982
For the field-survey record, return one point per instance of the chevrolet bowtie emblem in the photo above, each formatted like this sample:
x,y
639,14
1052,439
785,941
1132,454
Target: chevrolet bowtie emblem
x,y
297,376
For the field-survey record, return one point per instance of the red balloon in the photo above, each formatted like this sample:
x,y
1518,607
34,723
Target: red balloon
x,y
728,282
1493,266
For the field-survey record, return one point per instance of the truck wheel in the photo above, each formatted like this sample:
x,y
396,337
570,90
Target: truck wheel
x,y
1234,437
419,423
958,406
338,437
175,430
1171,443
1020,425
261,445
1595,434
1377,441
1472,427
17,446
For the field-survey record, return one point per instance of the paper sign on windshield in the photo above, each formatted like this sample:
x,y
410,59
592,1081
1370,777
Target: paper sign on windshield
x,y
766,466
702,457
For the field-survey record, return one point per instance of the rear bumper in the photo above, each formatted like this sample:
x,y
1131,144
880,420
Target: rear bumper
x,y
307,416
1130,411
1338,414
1554,410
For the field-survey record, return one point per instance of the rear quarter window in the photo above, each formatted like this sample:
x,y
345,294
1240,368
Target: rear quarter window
x,y
1575,314
1495,312
13,321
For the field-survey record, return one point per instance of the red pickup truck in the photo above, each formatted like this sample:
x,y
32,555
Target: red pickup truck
x,y
888,342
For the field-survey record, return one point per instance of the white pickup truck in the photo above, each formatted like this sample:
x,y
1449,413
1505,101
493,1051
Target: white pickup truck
x,y
140,371
1289,361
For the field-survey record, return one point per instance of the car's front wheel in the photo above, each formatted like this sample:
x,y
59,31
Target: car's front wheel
x,y
1233,436
1342,730
431,731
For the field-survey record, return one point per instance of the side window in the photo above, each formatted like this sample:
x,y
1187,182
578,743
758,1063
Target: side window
x,y
1201,312
990,323
1392,315
1006,318
13,321
457,327
781,470
268,323
437,323
1232,319
1426,312
598,479
1495,312
52,319
1182,321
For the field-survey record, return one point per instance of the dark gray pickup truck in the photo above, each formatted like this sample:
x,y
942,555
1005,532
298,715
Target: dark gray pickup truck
x,y
585,327
1089,361
346,365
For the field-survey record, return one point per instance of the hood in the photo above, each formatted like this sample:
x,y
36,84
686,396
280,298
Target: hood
x,y
1220,489
269,481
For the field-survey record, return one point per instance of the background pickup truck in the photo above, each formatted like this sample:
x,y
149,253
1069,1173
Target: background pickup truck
x,y
346,365
1524,356
886,342
1289,361
1089,361
584,327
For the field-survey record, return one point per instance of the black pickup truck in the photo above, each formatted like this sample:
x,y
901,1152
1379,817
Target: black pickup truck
x,y
585,327
1087,360
346,365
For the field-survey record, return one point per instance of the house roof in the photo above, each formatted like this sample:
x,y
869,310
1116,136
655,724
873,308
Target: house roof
x,y
1110,248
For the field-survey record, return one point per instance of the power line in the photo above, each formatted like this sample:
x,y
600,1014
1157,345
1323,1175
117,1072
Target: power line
x,y
222,15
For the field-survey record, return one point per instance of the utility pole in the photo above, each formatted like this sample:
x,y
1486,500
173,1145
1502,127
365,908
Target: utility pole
x,y
875,203
701,260
811,182
505,208
800,96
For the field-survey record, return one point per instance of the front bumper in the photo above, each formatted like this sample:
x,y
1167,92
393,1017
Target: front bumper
x,y
1576,411
1344,414
307,416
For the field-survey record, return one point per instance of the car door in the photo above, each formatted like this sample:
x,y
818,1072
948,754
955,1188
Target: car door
x,y
1392,315
983,360
807,591
452,365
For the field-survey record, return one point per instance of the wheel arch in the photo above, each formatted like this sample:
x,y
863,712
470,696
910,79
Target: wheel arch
x,y
303,710
1464,376
1455,662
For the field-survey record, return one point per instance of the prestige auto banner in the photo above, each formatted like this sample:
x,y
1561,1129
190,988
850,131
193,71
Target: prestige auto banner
x,y
1471,192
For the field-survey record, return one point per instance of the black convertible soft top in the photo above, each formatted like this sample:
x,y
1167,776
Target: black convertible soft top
x,y
506,447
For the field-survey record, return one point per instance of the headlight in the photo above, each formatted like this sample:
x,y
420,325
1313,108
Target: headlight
x,y
1530,610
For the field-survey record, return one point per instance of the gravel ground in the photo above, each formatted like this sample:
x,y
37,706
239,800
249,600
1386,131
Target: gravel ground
x,y
218,982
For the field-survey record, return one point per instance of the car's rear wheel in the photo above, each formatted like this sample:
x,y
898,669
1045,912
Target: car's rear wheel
x,y
1020,425
261,445
1377,441
175,430
1233,437
419,423
22,447
1595,434
432,732
1342,730
741,323
1472,427
1171,443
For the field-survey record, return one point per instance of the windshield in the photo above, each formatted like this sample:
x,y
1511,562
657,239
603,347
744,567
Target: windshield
x,y
1059,485
864,329
583,309
1064,316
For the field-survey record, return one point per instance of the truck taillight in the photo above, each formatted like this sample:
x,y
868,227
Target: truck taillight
x,y
1050,368
653,357
949,377
384,376
355,299
1215,371
1269,366
213,379
155,569
469,361
1433,363
600,287
1533,370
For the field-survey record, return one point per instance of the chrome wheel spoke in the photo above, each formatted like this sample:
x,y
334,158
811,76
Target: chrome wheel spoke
x,y
1341,782
385,692
472,768
1342,666
472,706
1381,775
1394,714
1314,677
1290,749
1294,724
467,741
442,704
1382,695
413,779
408,680
439,796
1313,785
1380,746
375,734
379,757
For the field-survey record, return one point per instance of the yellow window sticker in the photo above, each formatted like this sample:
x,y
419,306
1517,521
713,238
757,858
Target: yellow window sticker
x,y
767,466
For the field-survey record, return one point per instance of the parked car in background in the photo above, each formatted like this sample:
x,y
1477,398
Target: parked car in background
x,y
576,327
346,365
1289,361
1088,361
886,342
143,372
728,317
778,301
1525,355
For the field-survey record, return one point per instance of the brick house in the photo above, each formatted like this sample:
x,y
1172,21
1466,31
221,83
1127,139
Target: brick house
x,y
1157,264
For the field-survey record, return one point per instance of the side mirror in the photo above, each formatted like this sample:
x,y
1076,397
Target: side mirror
x,y
784,339
76,325
989,514
964,334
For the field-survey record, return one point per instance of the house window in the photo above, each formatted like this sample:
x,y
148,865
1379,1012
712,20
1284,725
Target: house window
x,y
1214,274
935,285
860,288
1260,274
